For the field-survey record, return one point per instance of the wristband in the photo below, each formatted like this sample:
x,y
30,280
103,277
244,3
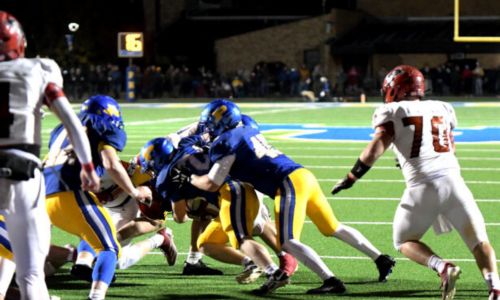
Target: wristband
x,y
88,167
359,169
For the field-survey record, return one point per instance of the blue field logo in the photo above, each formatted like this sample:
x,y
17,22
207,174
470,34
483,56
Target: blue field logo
x,y
334,133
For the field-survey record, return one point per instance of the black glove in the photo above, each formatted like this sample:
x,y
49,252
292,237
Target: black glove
x,y
342,184
180,179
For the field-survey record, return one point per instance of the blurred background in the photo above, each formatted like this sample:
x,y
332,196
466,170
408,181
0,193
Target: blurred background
x,y
315,50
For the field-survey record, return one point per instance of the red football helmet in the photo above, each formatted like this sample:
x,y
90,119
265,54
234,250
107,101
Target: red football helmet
x,y
402,82
12,39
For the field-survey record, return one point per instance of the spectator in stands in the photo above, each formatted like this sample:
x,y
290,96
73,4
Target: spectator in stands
x,y
294,79
116,81
428,75
466,78
353,80
478,74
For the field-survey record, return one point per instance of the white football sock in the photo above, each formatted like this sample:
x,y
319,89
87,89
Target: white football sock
x,y
355,239
129,256
492,281
156,240
193,257
97,294
308,257
246,260
87,260
436,264
269,270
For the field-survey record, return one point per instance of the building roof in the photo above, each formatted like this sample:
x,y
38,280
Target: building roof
x,y
415,35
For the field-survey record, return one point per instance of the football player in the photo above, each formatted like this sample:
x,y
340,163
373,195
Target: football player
x,y
421,132
243,153
189,201
131,219
79,212
25,85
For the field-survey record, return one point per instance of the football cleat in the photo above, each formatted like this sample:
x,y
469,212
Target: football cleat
x,y
332,285
288,264
199,268
384,263
449,277
494,295
275,281
168,246
250,273
82,272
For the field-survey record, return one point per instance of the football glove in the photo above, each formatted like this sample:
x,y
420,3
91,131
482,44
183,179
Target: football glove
x,y
342,184
180,179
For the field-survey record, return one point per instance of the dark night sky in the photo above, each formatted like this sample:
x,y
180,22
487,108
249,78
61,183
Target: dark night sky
x,y
45,23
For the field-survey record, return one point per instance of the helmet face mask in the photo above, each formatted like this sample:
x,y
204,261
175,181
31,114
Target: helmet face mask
x,y
12,38
403,83
219,116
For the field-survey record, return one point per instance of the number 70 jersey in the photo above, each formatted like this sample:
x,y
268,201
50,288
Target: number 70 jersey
x,y
423,140
22,86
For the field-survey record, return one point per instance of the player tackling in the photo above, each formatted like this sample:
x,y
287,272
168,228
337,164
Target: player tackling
x,y
436,194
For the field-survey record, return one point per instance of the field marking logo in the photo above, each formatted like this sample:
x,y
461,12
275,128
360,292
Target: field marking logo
x,y
362,134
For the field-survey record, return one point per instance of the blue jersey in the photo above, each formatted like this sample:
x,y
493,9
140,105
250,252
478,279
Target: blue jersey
x,y
62,168
256,161
190,158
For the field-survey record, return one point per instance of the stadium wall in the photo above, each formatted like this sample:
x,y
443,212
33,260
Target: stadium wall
x,y
284,43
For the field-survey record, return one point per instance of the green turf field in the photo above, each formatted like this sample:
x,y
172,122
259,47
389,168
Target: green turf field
x,y
369,206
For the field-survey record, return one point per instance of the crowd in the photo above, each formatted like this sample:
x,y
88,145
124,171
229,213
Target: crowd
x,y
271,80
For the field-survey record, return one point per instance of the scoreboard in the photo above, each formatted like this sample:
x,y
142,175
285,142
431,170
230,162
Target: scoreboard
x,y
130,44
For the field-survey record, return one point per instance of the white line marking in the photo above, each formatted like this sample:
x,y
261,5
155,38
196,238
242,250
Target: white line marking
x,y
383,157
320,148
346,257
402,181
335,198
393,168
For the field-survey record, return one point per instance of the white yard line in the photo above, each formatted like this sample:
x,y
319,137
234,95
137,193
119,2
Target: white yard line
x,y
335,198
394,168
471,260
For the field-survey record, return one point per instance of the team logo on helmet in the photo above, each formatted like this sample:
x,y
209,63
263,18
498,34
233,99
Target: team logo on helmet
x,y
219,112
111,110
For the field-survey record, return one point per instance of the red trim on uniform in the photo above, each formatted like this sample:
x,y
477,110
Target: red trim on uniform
x,y
88,167
52,92
388,127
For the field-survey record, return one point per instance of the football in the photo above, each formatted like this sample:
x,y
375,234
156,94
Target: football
x,y
200,209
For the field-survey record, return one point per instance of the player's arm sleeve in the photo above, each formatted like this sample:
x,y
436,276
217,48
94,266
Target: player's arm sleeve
x,y
453,116
58,103
182,133
381,116
220,170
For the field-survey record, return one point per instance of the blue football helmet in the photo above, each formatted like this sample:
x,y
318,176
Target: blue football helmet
x,y
249,121
219,116
155,154
105,107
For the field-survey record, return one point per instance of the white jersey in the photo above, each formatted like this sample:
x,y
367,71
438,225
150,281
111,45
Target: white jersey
x,y
22,86
423,141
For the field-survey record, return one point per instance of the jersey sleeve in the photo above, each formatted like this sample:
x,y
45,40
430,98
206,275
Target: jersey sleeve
x,y
451,113
51,72
108,133
220,149
382,115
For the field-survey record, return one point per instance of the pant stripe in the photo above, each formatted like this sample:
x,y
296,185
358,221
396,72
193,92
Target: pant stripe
x,y
4,237
96,221
237,210
287,206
